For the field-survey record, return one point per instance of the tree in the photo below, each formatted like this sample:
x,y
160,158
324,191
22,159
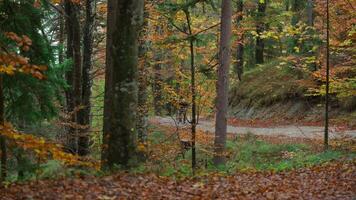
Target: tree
x,y
223,82
193,87
124,21
83,140
74,75
142,119
260,28
3,159
240,45
157,78
326,132
310,13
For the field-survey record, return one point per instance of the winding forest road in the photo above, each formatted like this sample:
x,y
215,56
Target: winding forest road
x,y
311,132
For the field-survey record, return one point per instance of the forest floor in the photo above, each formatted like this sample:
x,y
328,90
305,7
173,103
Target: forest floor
x,y
273,164
335,180
265,128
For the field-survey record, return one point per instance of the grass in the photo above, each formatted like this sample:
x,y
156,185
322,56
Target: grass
x,y
247,153
255,154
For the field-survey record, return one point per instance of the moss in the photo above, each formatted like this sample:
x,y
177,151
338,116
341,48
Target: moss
x,y
268,84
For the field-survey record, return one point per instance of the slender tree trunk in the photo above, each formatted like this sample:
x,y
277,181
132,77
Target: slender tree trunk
x,y
297,6
260,44
193,91
223,83
124,17
310,12
3,159
142,122
287,4
157,79
69,55
240,45
111,20
61,39
74,76
326,134
83,140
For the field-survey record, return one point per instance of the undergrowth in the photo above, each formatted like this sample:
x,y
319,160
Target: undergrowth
x,y
245,154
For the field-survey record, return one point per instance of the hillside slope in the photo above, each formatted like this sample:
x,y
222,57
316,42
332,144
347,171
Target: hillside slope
x,y
276,91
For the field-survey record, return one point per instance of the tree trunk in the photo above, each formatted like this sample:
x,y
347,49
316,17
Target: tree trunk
x,y
74,76
83,140
193,90
310,13
142,122
223,83
157,80
260,44
240,45
326,132
124,20
287,4
297,6
3,167
61,39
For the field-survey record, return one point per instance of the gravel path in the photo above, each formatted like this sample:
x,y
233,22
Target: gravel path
x,y
313,132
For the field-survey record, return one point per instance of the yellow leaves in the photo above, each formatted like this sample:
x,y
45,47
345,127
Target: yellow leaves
x,y
141,147
10,63
9,70
42,148
56,1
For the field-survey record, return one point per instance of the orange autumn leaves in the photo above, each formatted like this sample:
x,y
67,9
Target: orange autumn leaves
x,y
43,149
12,62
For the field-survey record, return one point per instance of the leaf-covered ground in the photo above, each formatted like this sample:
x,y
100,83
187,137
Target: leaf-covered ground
x,y
331,181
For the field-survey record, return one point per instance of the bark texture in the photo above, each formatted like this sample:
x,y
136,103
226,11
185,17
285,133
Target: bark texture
x,y
310,12
83,140
260,28
124,21
142,122
73,76
240,45
3,159
223,83
157,79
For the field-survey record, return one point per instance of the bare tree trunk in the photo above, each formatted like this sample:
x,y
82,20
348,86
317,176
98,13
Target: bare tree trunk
x,y
111,20
74,76
142,122
157,79
223,83
310,12
193,91
61,38
83,140
3,167
124,19
240,45
260,44
326,134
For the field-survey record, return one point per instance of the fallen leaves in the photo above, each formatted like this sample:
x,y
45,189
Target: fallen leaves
x,y
331,181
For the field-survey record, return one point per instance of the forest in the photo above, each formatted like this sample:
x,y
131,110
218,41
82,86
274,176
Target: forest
x,y
177,99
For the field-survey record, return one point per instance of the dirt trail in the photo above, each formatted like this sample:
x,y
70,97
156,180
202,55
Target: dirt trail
x,y
313,132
